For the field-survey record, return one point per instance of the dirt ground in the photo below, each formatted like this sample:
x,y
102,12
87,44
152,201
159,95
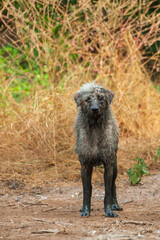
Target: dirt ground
x,y
53,212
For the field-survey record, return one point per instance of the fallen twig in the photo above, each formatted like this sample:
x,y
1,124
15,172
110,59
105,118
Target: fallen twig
x,y
136,223
39,220
127,201
48,210
24,226
8,205
45,231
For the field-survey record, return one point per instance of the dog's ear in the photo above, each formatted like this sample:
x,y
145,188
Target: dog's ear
x,y
109,95
77,98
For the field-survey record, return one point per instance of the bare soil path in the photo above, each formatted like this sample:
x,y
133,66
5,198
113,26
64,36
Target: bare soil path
x,y
53,213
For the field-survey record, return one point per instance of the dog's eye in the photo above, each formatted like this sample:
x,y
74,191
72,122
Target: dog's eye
x,y
100,97
88,99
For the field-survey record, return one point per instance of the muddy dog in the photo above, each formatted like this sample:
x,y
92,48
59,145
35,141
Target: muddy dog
x,y
97,143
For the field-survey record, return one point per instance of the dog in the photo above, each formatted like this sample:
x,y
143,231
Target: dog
x,y
97,137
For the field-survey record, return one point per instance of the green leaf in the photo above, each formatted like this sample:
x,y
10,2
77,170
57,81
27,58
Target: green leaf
x,y
145,172
137,158
56,30
135,179
35,52
74,56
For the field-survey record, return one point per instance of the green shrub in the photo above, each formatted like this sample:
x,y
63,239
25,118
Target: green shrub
x,y
136,173
21,73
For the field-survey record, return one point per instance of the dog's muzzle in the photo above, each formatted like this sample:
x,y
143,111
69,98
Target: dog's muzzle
x,y
95,111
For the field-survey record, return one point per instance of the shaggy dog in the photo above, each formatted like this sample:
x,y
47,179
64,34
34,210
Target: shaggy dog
x,y
97,143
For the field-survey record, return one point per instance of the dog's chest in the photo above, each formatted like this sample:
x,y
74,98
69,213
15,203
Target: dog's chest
x,y
100,140
96,141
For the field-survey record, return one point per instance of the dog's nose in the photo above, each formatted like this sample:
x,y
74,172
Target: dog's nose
x,y
95,108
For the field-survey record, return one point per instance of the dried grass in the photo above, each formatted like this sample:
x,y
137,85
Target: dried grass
x,y
36,136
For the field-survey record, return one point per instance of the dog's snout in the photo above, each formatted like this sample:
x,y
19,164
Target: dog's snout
x,y
95,108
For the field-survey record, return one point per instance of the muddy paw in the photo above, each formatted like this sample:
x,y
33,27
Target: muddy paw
x,y
110,213
85,213
116,207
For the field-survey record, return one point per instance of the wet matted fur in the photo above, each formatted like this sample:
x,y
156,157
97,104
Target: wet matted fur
x,y
97,143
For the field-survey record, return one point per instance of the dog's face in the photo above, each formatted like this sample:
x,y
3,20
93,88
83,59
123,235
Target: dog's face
x,y
93,99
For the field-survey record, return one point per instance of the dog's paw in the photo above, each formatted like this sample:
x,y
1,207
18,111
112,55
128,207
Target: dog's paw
x,y
85,211
85,214
116,207
110,213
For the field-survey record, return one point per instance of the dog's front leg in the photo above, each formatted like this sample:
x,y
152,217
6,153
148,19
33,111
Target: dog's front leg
x,y
86,174
108,178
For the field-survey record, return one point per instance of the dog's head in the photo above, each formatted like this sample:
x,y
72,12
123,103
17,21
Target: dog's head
x,y
93,99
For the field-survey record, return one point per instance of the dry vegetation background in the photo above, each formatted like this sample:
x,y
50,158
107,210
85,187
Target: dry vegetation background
x,y
71,44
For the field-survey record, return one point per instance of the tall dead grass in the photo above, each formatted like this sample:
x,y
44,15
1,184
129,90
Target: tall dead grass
x,y
36,135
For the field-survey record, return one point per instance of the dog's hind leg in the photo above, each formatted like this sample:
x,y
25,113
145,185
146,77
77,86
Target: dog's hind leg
x,y
115,205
